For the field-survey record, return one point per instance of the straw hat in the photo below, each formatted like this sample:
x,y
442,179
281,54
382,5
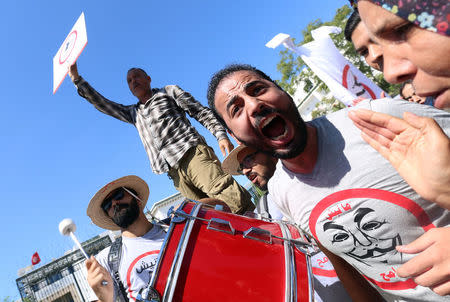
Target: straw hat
x,y
230,163
96,213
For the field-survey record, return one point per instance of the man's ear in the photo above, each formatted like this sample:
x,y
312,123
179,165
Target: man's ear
x,y
149,79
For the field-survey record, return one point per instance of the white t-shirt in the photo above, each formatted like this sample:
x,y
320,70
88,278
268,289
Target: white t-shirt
x,y
137,261
357,205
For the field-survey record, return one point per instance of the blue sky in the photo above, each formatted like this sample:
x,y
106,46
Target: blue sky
x,y
57,150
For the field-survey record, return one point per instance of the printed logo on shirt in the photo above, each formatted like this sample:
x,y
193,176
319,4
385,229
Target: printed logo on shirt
x,y
364,226
140,271
322,267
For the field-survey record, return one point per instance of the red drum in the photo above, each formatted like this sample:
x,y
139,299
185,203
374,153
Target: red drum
x,y
210,255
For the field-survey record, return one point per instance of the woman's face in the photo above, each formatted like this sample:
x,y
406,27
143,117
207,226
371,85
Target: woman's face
x,y
410,52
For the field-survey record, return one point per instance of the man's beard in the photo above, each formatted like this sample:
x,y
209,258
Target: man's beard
x,y
295,147
125,215
264,187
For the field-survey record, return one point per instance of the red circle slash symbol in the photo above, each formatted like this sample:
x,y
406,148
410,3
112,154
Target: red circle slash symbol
x,y
67,47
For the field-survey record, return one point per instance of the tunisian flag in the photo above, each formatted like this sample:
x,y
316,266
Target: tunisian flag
x,y
35,259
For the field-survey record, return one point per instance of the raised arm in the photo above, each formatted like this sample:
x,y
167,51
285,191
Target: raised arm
x,y
73,72
202,114
416,147
124,113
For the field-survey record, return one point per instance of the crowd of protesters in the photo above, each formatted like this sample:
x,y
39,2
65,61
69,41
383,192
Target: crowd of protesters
x,y
371,184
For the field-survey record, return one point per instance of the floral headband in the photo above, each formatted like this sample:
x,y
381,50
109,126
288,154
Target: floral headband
x,y
433,15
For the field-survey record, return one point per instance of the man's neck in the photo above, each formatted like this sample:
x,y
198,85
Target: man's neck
x,y
306,161
139,228
143,99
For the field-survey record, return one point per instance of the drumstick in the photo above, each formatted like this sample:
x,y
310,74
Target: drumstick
x,y
66,228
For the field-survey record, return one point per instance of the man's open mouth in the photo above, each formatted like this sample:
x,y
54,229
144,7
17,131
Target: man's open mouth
x,y
274,127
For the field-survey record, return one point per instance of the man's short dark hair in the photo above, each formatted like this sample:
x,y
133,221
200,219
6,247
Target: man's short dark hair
x,y
222,74
352,23
137,68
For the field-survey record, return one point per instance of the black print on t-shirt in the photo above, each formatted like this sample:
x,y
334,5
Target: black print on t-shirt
x,y
363,237
144,265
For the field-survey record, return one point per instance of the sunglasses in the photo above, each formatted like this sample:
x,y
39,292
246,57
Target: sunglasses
x,y
247,162
117,194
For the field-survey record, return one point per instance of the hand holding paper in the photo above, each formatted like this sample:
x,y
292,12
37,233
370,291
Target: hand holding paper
x,y
73,72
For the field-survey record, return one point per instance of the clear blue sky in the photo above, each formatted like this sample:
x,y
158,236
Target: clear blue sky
x,y
57,150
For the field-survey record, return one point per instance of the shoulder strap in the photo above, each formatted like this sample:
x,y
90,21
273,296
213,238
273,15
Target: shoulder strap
x,y
263,207
113,262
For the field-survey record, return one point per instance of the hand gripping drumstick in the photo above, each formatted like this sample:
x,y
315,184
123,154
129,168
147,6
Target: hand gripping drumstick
x,y
67,228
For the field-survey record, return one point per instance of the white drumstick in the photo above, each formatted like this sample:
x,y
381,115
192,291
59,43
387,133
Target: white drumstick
x,y
67,228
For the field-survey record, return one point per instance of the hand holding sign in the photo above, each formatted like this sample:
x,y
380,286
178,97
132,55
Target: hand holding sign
x,y
73,72
69,51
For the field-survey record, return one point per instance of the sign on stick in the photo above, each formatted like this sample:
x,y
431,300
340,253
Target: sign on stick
x,y
69,52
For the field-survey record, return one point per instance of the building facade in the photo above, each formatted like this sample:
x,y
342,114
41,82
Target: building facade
x,y
63,279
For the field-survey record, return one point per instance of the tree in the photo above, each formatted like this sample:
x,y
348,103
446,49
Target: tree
x,y
327,105
293,68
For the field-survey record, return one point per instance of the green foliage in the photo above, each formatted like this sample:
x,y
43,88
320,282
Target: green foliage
x,y
293,68
256,193
327,105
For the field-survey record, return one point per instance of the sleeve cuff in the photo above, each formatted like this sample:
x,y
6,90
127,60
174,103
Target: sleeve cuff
x,y
221,135
78,81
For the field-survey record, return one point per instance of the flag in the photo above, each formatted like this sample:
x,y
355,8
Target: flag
x,y
35,259
346,82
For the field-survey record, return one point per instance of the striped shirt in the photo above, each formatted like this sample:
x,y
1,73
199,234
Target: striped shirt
x,y
161,122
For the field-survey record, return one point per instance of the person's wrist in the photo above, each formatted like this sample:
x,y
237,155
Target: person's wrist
x,y
76,79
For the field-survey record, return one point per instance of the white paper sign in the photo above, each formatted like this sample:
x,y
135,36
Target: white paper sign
x,y
346,82
69,52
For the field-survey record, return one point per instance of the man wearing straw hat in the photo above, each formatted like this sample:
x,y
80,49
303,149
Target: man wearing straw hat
x,y
119,205
258,168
